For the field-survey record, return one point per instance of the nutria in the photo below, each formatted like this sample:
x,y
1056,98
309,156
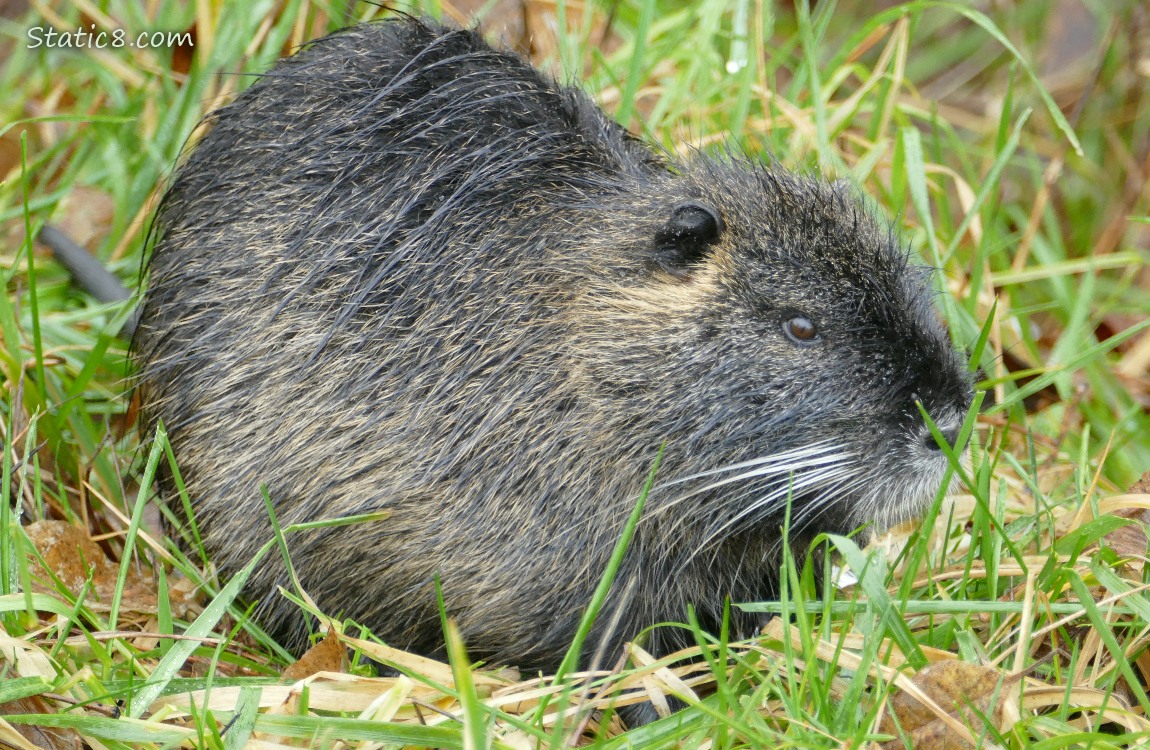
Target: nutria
x,y
406,272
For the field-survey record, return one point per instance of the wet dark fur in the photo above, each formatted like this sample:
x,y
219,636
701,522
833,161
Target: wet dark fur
x,y
406,272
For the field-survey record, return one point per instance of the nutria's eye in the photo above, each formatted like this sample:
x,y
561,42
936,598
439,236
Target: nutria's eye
x,y
801,330
687,236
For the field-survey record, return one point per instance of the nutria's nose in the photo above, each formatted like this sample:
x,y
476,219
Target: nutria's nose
x,y
949,433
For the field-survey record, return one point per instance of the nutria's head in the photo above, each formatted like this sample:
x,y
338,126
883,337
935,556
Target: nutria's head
x,y
781,340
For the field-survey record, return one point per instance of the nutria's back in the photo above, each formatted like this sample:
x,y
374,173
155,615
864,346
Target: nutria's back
x,y
406,272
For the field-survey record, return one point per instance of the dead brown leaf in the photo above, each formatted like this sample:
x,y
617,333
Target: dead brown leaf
x,y
1131,540
1142,486
967,692
328,655
71,556
10,151
52,738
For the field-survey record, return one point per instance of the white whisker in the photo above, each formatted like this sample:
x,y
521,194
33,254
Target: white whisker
x,y
813,449
827,476
785,464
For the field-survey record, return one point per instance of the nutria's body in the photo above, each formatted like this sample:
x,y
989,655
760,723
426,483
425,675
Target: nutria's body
x,y
405,272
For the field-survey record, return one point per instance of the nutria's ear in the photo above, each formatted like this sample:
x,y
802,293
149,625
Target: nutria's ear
x,y
684,240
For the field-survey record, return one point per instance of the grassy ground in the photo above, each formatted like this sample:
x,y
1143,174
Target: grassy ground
x,y
1012,141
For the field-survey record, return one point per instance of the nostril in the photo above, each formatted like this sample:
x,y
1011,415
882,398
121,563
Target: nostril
x,y
949,434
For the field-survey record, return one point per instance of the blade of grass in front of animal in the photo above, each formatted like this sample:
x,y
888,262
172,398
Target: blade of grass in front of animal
x,y
281,542
186,502
280,533
169,665
163,611
571,659
240,728
715,654
870,570
915,554
723,707
146,483
952,452
976,351
795,686
475,720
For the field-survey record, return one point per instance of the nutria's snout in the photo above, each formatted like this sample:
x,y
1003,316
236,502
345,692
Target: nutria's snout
x,y
407,272
949,434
